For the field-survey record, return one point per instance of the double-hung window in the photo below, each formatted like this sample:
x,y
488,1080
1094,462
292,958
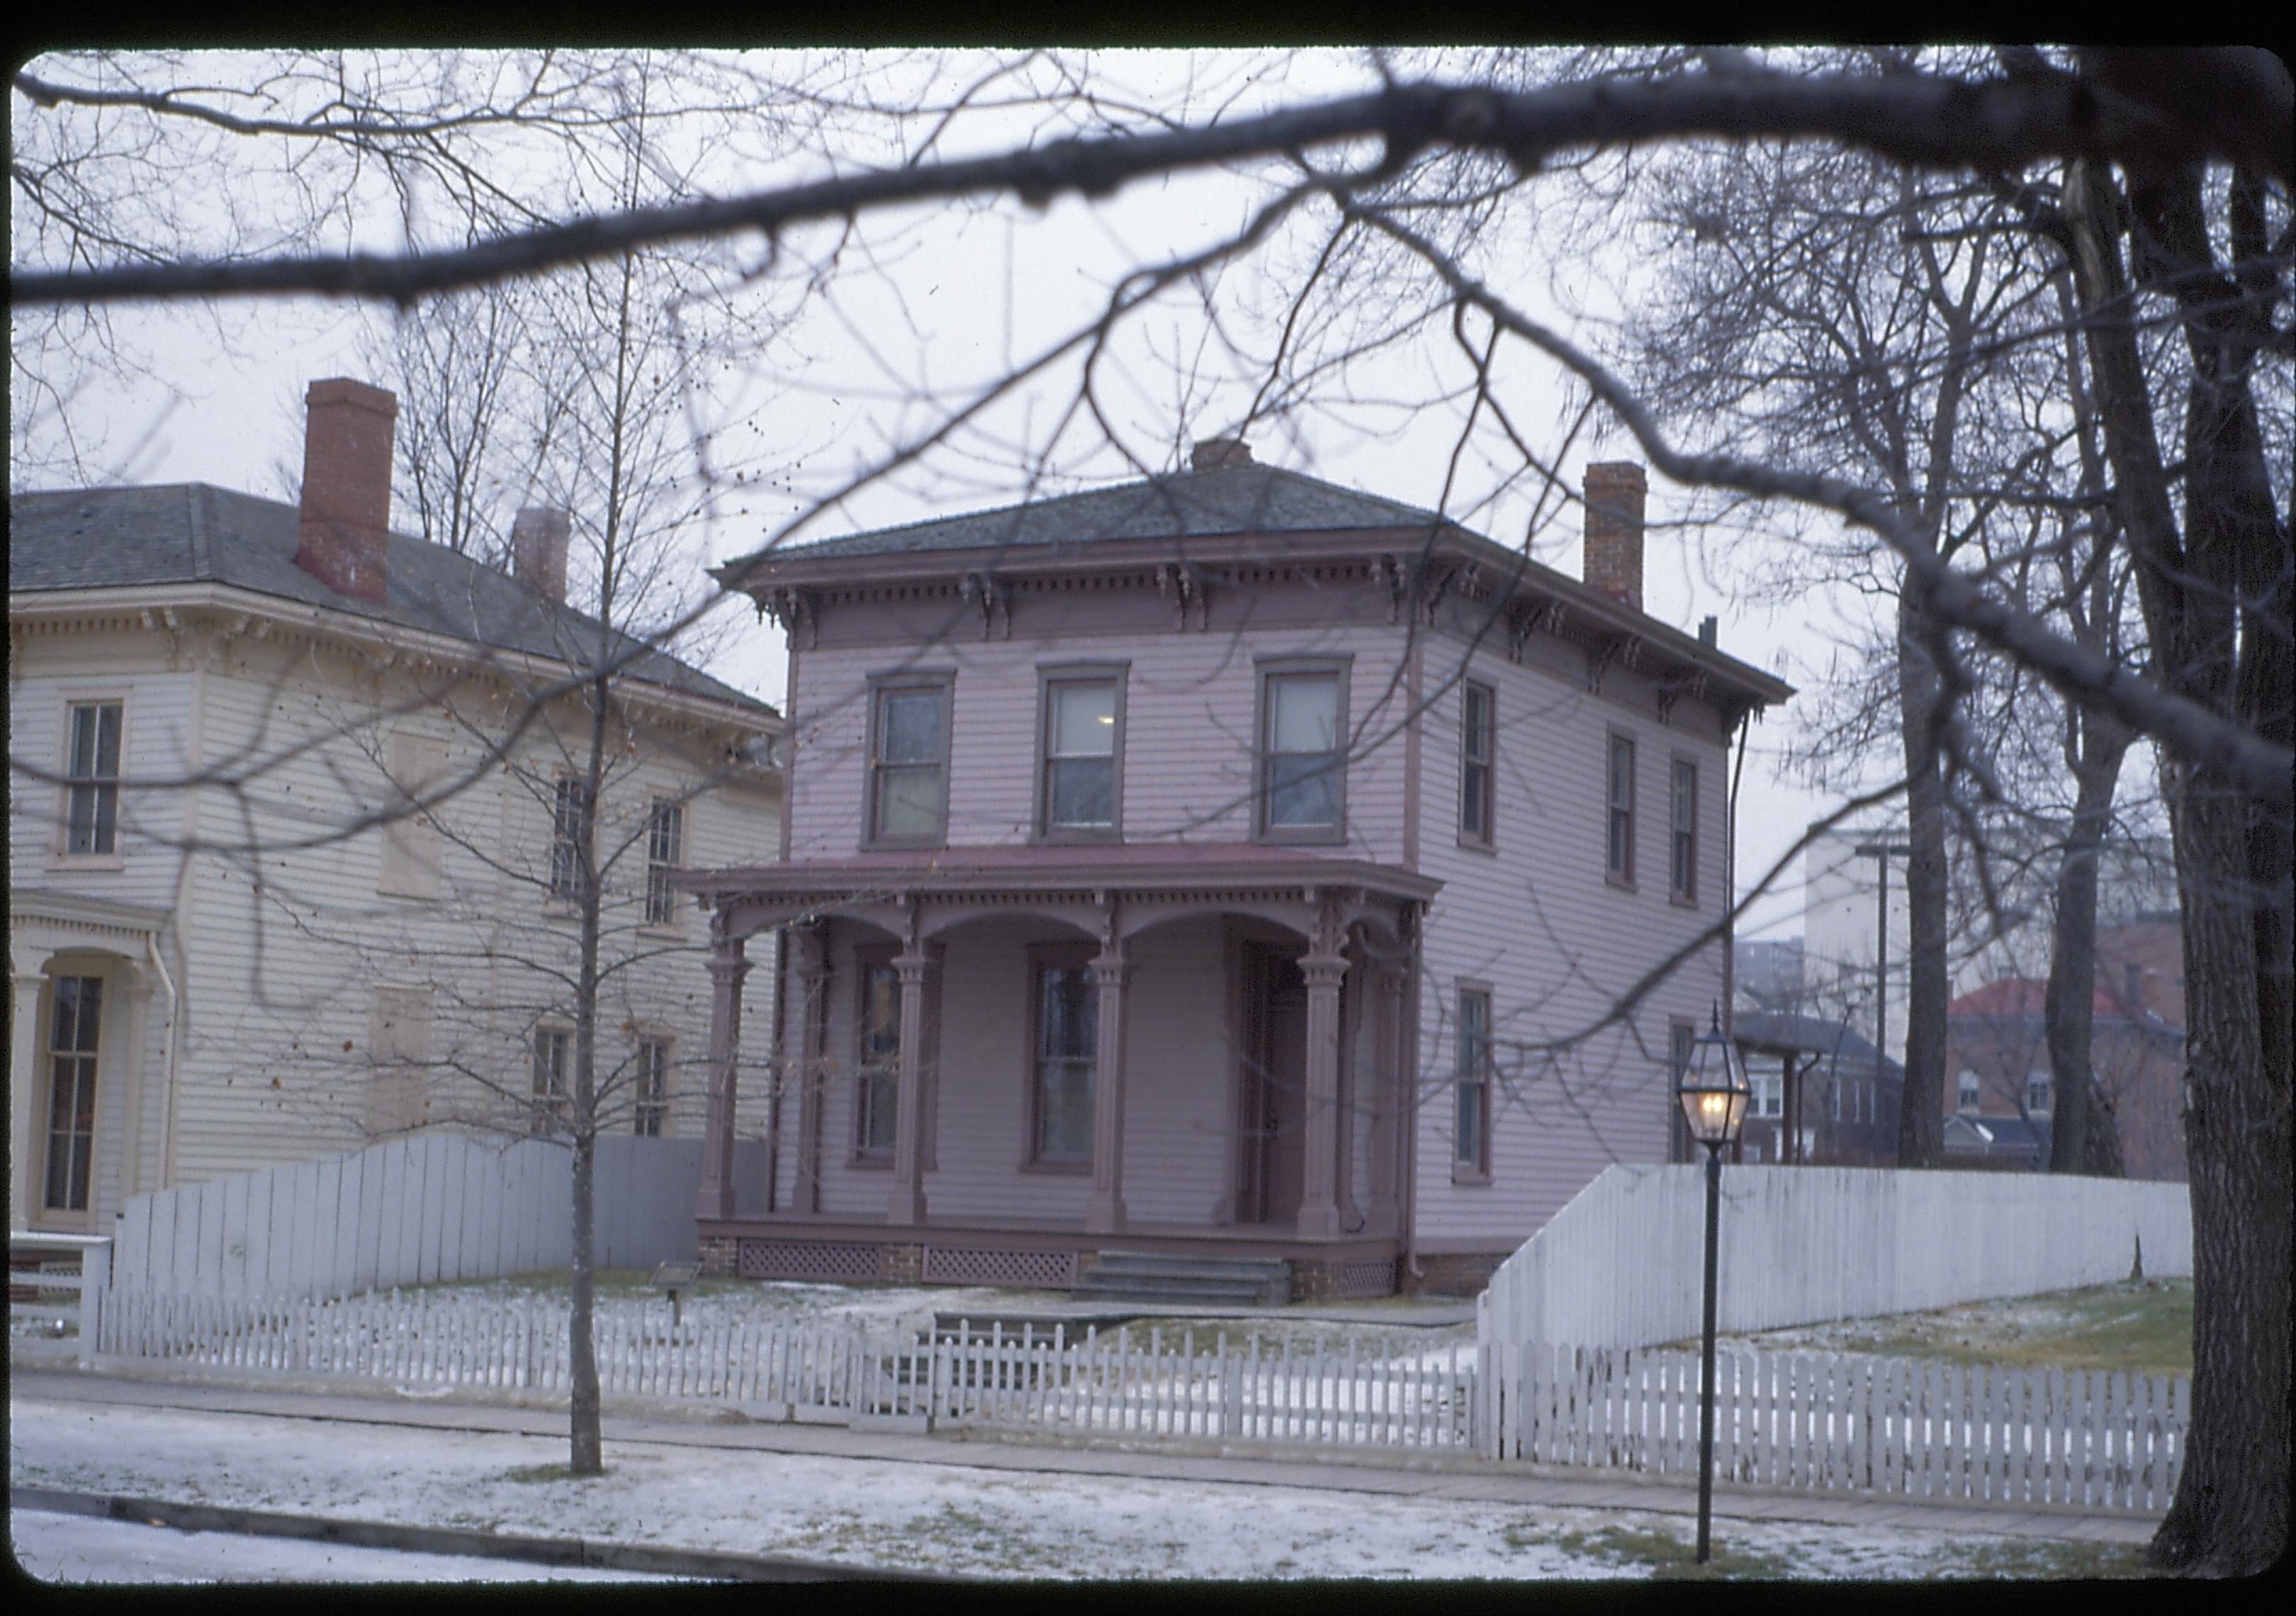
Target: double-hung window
x,y
2036,1092
878,1091
1969,1091
554,1059
92,769
908,762
1471,1132
1065,1047
665,848
1681,879
653,1087
1081,779
76,1015
570,814
1619,841
1478,749
1302,760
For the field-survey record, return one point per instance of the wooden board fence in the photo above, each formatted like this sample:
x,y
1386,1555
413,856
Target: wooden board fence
x,y
1834,1422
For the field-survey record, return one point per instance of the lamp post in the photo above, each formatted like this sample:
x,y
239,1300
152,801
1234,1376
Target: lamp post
x,y
1713,1090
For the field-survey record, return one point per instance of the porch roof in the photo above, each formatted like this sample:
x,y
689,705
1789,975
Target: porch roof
x,y
1092,873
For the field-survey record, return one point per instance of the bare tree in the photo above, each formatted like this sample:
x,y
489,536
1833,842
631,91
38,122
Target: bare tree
x,y
2194,233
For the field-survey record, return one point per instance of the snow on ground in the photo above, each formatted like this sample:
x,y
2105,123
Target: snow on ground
x,y
921,1516
84,1549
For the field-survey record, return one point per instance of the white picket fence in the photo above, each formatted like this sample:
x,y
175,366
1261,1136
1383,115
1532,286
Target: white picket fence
x,y
1248,1389
2028,1438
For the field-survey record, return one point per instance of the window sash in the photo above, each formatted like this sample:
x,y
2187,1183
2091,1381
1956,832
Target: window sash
x,y
1684,871
1301,760
92,813
1067,1047
75,1018
878,1096
570,833
908,798
1477,744
553,1054
665,848
1620,850
1470,1130
653,1087
1081,754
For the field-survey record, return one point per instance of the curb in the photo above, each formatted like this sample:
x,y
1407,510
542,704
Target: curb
x,y
713,1565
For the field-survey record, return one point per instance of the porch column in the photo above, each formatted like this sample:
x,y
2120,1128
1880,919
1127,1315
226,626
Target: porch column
x,y
727,967
1388,1037
811,948
24,1078
907,1203
1319,1207
1110,968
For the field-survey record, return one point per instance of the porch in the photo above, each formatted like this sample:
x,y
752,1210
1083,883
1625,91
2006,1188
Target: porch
x,y
996,1063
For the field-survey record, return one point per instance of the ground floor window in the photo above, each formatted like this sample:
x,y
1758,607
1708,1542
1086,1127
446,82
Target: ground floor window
x,y
554,1056
1067,1017
876,1107
1472,1083
652,1085
71,1090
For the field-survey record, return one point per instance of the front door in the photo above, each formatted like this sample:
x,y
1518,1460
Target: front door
x,y
1276,1080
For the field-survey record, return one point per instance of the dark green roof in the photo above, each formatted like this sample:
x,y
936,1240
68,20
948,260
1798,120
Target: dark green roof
x,y
190,533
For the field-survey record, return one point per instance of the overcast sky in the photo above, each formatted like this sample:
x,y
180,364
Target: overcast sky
x,y
931,304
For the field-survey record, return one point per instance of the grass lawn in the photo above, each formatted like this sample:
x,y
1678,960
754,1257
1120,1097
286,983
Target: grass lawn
x,y
2142,1326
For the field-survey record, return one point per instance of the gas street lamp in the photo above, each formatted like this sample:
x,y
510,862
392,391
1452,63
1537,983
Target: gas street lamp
x,y
1713,1090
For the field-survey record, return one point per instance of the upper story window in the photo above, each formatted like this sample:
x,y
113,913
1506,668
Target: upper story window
x,y
665,851
1969,1091
570,836
908,762
91,767
2037,1092
411,841
1619,844
1302,765
1769,1096
652,1076
1081,782
1478,749
1682,880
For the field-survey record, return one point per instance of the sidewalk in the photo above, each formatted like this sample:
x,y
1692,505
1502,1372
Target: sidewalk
x,y
1369,1471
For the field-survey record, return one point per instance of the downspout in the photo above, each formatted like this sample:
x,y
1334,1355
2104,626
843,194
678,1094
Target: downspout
x,y
165,1178
166,1063
1409,1131
777,1065
1730,872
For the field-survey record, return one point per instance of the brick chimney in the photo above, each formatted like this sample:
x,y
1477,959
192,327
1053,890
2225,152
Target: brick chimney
x,y
537,550
1614,529
346,516
1212,453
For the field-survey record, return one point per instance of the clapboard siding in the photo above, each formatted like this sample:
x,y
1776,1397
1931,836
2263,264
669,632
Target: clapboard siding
x,y
1536,919
278,965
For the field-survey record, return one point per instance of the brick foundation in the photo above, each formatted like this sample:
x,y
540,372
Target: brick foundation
x,y
1452,1273
903,1264
721,1257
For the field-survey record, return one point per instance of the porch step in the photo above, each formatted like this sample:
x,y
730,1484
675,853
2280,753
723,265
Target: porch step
x,y
1175,1277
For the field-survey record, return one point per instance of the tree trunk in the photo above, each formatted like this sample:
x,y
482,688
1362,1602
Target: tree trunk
x,y
1921,1118
2083,1134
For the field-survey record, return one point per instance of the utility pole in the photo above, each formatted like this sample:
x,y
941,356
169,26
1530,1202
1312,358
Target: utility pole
x,y
1880,852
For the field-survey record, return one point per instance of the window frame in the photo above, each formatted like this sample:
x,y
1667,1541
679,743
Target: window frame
x,y
1619,872
650,1090
1968,1092
1050,676
1043,957
942,680
413,862
1266,671
103,786
1681,868
667,914
2043,1079
87,1057
1485,796
1681,1040
1475,1170
550,1107
566,848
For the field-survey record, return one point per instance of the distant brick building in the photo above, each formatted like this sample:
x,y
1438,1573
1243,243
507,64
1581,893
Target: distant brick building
x,y
1998,1060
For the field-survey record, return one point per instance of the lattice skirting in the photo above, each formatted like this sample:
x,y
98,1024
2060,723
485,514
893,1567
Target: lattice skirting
x,y
811,1260
1017,1270
1375,1276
